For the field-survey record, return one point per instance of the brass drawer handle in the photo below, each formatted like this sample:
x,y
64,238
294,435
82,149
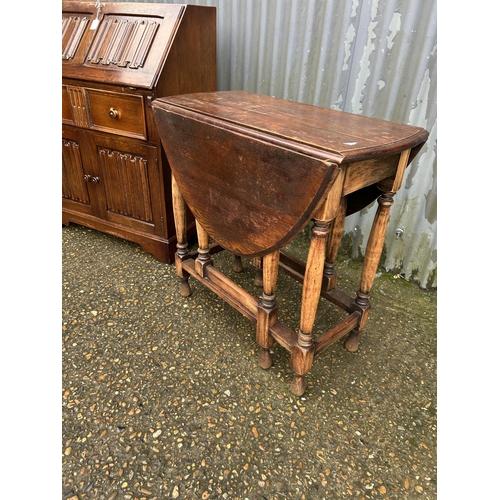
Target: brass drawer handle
x,y
113,113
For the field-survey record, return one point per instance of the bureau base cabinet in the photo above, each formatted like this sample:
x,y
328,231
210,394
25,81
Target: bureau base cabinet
x,y
115,185
116,59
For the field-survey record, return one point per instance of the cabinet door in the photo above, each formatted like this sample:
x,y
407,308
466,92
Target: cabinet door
x,y
75,177
129,183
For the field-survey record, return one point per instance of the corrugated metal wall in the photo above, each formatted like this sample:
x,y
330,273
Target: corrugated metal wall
x,y
372,57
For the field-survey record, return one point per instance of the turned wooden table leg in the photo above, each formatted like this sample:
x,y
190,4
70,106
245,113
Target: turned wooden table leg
x,y
257,262
374,247
370,263
267,312
204,259
179,212
332,247
237,264
302,354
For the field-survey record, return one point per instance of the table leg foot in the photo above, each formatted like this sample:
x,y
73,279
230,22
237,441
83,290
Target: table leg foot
x,y
185,288
265,358
237,264
352,342
298,385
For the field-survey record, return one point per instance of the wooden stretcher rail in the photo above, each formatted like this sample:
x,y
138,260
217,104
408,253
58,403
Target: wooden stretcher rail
x,y
226,289
295,268
337,332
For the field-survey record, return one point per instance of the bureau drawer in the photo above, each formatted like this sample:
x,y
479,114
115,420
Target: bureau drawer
x,y
117,113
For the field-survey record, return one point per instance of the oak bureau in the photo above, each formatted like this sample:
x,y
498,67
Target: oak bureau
x,y
116,58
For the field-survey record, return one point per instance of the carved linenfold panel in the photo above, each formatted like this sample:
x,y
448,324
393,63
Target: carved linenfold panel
x,y
73,28
123,42
73,184
79,104
127,184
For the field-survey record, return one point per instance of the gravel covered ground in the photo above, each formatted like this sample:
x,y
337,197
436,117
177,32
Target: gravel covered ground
x,y
163,397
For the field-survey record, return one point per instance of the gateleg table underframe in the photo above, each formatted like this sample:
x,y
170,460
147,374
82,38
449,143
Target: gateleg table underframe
x,y
378,163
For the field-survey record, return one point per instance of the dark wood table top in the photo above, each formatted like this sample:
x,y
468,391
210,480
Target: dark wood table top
x,y
253,169
334,134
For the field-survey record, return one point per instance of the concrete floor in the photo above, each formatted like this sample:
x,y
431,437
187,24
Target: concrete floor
x,y
163,398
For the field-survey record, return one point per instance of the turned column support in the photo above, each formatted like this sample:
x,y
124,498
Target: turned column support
x,y
258,279
333,245
204,259
334,208
374,247
267,311
237,264
302,354
312,281
370,263
180,219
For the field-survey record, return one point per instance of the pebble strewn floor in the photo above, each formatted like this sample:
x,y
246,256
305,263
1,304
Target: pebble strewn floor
x,y
163,398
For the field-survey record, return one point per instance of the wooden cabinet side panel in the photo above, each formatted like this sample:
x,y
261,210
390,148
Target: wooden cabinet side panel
x,y
191,62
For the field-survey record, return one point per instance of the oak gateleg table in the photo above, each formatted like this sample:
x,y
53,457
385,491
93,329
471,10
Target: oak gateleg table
x,y
254,171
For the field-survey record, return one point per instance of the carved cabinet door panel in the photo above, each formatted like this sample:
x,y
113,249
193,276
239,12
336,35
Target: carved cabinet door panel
x,y
128,181
75,173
